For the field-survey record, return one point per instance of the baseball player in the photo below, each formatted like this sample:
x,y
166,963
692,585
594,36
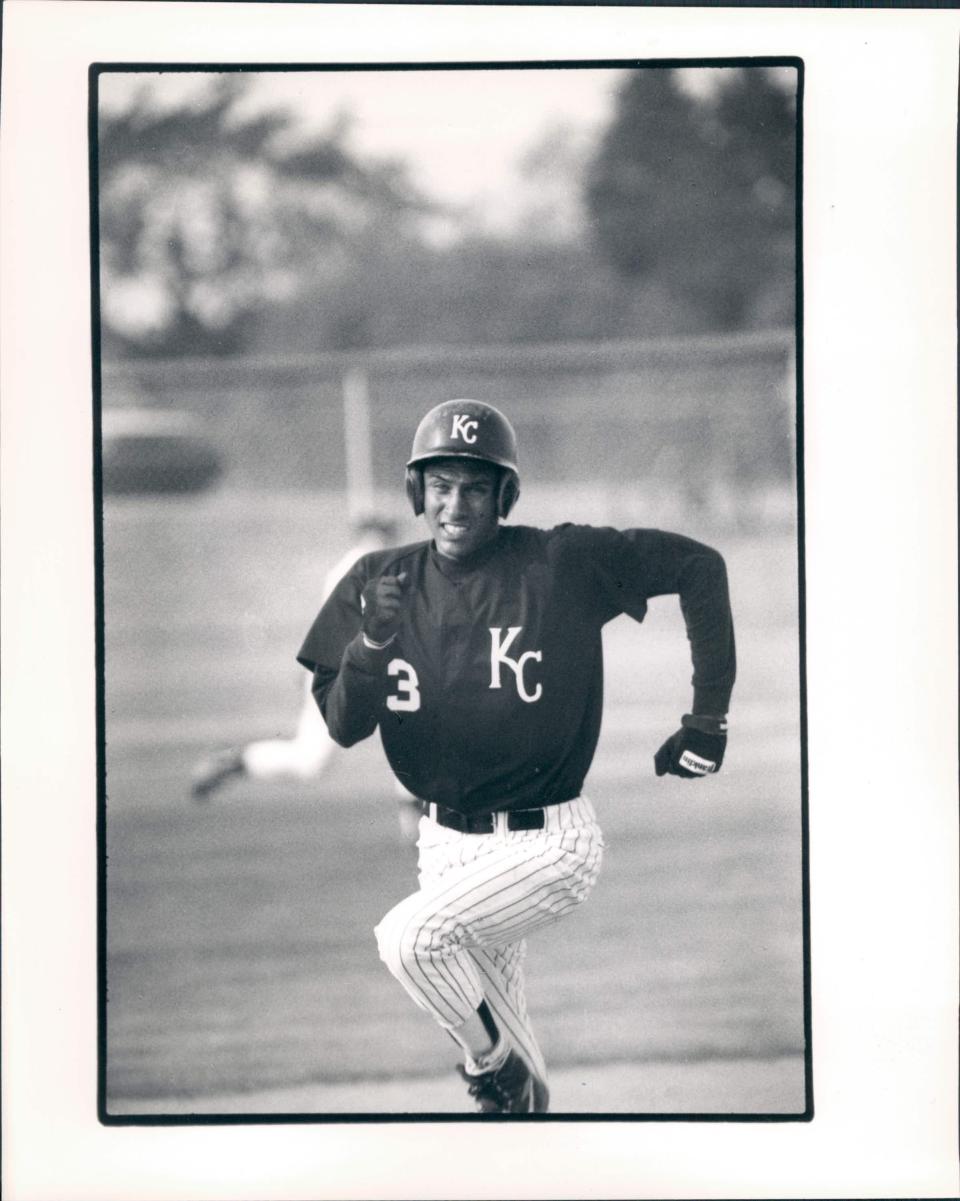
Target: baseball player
x,y
478,655
307,754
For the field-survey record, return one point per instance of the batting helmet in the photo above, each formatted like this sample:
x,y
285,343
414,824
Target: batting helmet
x,y
465,429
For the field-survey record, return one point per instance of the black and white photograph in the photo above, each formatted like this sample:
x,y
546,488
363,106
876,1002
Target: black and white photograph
x,y
478,594
451,547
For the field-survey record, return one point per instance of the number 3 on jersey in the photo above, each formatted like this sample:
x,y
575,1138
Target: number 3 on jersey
x,y
408,687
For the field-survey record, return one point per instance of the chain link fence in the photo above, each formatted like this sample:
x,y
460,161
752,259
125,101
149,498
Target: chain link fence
x,y
709,421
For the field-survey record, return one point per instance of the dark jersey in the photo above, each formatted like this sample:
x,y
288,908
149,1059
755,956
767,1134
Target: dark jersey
x,y
491,694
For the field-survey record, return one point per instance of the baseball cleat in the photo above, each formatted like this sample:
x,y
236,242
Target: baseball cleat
x,y
510,1088
212,772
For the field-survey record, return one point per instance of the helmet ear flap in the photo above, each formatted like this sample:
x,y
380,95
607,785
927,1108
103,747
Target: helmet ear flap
x,y
508,494
414,487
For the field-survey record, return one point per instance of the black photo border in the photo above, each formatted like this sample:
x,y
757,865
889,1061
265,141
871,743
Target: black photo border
x,y
96,70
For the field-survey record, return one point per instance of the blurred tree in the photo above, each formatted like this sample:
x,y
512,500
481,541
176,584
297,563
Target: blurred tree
x,y
696,192
550,195
224,229
208,216
480,290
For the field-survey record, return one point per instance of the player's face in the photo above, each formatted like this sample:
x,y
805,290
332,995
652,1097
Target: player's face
x,y
460,503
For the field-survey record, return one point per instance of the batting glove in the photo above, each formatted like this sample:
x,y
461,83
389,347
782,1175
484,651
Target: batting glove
x,y
382,604
695,750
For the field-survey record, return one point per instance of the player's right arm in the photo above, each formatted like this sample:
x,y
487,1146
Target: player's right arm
x,y
348,649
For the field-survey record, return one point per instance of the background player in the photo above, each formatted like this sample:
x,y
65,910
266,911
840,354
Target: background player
x,y
478,655
308,753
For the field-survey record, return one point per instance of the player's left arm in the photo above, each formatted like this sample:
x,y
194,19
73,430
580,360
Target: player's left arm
x,y
656,563
698,575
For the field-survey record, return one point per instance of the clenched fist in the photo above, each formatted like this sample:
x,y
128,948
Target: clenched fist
x,y
382,601
695,750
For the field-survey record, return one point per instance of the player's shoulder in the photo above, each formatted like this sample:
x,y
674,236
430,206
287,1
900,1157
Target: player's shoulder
x,y
578,546
642,546
566,544
568,534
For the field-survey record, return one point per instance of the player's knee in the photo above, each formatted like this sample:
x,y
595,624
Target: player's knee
x,y
407,940
396,944
388,942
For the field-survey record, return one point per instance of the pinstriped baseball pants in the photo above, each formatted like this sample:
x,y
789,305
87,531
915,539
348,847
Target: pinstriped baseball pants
x,y
460,939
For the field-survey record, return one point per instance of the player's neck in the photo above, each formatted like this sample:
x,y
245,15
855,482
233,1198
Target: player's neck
x,y
467,563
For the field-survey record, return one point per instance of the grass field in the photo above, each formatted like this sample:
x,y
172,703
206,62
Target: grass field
x,y
242,970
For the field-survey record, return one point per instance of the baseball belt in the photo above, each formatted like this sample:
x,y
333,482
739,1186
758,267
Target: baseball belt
x,y
482,823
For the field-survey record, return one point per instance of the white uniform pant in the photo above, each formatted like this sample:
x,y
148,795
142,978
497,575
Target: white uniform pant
x,y
460,939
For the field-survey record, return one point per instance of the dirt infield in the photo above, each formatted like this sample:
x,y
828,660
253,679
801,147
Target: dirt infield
x,y
726,1087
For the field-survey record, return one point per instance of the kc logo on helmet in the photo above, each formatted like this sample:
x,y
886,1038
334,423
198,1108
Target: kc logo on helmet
x,y
464,427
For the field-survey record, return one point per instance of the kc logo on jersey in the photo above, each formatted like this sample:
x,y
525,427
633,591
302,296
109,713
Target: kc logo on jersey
x,y
499,656
464,427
